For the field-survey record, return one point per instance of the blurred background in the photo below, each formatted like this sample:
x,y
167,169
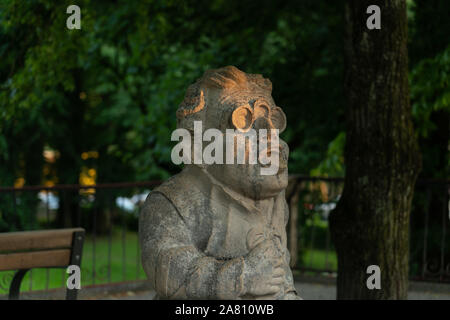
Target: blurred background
x,y
86,117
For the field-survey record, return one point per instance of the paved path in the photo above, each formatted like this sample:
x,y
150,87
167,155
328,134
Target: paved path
x,y
308,291
311,291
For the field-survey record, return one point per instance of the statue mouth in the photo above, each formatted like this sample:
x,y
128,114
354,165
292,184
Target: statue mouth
x,y
267,156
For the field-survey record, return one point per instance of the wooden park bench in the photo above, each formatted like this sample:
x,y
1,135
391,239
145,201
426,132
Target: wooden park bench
x,y
23,251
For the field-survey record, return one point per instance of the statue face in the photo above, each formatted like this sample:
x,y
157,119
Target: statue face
x,y
242,111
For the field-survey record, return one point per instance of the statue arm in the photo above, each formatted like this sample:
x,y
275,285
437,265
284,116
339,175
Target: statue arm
x,y
173,264
290,293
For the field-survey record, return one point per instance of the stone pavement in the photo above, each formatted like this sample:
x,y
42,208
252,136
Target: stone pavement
x,y
308,291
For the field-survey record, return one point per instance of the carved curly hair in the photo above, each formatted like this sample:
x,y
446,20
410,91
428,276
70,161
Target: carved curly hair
x,y
227,78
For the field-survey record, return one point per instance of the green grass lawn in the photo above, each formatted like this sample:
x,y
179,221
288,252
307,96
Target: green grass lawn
x,y
123,268
318,259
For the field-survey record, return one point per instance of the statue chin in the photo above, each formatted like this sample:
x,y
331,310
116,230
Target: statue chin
x,y
269,186
247,180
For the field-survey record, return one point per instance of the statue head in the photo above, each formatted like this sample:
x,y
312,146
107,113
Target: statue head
x,y
228,98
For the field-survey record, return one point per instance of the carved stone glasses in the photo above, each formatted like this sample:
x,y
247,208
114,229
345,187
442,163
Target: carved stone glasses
x,y
261,116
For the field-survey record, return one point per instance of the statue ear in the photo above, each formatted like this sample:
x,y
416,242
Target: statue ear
x,y
191,109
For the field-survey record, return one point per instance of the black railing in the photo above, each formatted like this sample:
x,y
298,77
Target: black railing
x,y
311,199
109,213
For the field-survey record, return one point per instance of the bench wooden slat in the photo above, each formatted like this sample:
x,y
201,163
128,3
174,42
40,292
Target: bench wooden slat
x,y
38,259
35,240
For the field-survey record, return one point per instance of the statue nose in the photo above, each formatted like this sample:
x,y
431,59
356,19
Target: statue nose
x,y
264,137
263,123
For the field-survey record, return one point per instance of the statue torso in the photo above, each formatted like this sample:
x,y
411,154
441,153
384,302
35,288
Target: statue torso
x,y
221,224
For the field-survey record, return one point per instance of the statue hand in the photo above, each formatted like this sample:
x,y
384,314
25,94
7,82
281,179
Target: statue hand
x,y
263,270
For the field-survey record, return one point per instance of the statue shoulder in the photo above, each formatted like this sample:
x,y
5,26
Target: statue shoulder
x,y
157,202
172,187
177,193
156,209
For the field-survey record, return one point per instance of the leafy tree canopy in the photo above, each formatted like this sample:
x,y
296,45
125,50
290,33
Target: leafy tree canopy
x,y
112,88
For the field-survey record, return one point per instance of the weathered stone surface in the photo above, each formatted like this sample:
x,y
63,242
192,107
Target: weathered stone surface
x,y
218,231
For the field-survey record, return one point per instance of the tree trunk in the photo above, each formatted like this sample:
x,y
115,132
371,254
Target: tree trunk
x,y
370,224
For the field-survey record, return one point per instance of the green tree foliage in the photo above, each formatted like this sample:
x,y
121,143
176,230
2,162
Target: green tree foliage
x,y
430,96
429,85
430,90
429,64
114,85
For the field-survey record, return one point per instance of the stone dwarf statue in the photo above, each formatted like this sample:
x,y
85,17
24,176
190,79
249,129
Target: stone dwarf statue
x,y
218,231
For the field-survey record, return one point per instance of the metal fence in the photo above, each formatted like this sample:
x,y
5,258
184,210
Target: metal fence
x,y
109,213
311,199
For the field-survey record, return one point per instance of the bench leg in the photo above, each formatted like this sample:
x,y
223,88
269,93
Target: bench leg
x,y
75,259
71,294
15,284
